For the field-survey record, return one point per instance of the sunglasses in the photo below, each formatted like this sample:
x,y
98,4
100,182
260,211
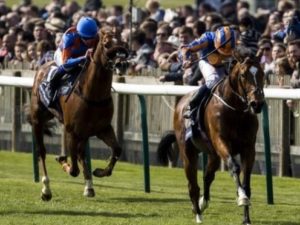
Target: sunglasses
x,y
161,34
87,38
266,49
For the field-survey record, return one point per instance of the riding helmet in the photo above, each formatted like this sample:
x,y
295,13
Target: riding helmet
x,y
225,40
87,27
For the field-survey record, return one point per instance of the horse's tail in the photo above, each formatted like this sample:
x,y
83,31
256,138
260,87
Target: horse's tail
x,y
47,127
165,151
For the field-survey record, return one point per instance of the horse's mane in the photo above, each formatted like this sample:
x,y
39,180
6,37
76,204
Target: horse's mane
x,y
241,53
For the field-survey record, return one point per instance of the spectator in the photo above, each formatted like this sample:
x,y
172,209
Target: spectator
x,y
282,68
162,46
156,13
44,51
19,53
199,28
293,54
7,48
143,53
39,32
265,54
31,56
249,36
212,18
149,27
204,9
228,11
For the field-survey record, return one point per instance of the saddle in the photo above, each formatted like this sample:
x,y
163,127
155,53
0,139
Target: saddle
x,y
64,87
197,132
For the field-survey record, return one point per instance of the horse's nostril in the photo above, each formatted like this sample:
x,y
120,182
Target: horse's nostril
x,y
253,104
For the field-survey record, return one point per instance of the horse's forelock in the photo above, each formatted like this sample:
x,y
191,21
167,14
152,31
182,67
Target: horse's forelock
x,y
117,51
241,54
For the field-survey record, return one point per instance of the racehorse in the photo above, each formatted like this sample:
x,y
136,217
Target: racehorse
x,y
231,125
88,112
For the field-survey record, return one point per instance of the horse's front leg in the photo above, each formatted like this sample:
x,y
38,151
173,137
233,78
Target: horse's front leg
x,y
109,138
73,144
247,164
88,189
234,167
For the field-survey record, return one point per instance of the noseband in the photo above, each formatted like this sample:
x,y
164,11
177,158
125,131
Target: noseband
x,y
243,97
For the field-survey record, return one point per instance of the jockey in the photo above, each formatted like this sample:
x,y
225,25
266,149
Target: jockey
x,y
214,47
76,46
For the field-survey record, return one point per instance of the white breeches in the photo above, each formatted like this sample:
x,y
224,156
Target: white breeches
x,y
58,57
210,73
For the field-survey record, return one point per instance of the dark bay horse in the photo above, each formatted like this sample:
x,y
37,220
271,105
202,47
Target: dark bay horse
x,y
231,125
88,112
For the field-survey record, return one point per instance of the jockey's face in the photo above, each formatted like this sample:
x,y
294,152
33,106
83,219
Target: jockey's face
x,y
88,42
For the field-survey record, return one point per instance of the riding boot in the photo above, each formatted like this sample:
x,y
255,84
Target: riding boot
x,y
54,83
194,103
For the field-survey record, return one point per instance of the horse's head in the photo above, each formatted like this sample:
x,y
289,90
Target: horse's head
x,y
249,79
117,59
113,57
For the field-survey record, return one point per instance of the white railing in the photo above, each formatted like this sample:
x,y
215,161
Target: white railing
x,y
141,89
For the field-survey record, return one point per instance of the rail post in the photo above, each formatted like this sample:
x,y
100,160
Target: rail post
x,y
145,143
267,146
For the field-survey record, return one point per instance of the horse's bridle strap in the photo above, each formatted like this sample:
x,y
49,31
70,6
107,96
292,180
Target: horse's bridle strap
x,y
101,103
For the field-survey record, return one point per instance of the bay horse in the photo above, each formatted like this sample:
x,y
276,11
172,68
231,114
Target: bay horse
x,y
231,125
88,112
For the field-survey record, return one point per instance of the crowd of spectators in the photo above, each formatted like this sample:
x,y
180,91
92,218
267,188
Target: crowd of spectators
x,y
29,33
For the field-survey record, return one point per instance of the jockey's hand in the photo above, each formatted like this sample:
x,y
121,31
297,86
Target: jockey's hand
x,y
186,64
184,52
89,54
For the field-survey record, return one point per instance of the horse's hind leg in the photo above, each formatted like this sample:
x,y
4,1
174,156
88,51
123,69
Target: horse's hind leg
x,y
37,129
109,138
211,168
190,162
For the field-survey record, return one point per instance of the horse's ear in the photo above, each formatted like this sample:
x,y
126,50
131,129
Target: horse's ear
x,y
117,51
236,54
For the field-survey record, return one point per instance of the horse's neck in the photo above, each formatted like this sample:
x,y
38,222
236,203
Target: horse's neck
x,y
98,78
229,90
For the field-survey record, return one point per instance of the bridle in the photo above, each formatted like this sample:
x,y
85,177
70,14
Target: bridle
x,y
242,97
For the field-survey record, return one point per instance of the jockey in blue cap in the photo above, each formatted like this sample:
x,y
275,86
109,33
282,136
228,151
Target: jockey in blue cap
x,y
213,47
76,46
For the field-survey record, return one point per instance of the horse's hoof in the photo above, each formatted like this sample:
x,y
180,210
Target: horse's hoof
x,y
74,173
203,204
89,192
61,159
198,218
46,197
102,172
243,201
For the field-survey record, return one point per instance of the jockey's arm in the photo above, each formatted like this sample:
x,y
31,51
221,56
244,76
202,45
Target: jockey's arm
x,y
194,46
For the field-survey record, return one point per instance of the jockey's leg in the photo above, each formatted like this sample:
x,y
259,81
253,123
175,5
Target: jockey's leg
x,y
195,102
54,82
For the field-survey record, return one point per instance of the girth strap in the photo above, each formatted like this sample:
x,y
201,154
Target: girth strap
x,y
101,103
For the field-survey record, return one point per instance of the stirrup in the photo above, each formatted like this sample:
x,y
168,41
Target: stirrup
x,y
187,114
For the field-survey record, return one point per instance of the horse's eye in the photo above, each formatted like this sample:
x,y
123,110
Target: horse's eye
x,y
243,75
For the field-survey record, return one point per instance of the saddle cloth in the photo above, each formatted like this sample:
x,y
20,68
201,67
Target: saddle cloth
x,y
64,88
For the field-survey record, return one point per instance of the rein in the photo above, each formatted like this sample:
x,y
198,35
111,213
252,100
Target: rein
x,y
243,99
211,52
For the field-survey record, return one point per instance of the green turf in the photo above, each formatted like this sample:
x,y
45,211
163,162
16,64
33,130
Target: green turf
x,y
120,199
125,3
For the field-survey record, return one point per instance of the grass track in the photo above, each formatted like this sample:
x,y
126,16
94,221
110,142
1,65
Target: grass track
x,y
120,199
